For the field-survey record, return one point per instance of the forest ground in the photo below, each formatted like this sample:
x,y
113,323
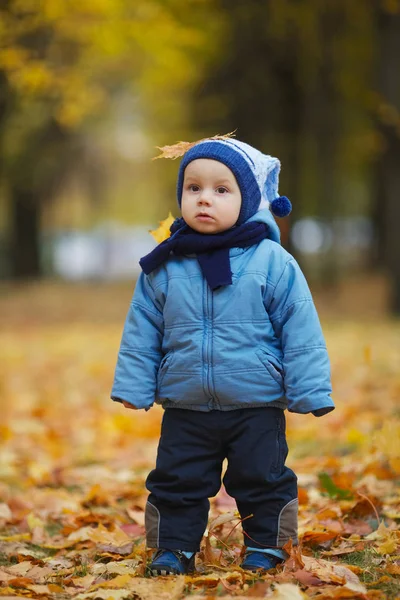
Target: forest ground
x,y
73,463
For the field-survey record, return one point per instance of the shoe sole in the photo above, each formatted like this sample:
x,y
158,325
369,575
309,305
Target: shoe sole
x,y
157,572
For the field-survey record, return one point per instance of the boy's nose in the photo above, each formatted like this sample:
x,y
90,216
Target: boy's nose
x,y
205,198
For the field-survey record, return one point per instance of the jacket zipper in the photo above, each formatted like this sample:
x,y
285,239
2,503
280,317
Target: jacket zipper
x,y
210,354
208,343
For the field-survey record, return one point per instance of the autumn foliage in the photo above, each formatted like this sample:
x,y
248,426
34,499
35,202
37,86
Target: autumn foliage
x,y
73,464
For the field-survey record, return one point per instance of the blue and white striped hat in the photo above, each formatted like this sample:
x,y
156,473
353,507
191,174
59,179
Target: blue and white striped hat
x,y
256,174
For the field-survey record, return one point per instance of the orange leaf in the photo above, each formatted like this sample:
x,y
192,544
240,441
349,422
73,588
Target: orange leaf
x,y
55,589
180,148
21,582
210,556
313,538
303,496
393,569
295,560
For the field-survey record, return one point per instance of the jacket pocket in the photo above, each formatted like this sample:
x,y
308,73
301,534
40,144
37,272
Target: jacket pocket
x,y
163,368
272,364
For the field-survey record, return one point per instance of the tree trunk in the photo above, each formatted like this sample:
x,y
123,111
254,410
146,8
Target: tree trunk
x,y
254,87
25,228
390,185
388,167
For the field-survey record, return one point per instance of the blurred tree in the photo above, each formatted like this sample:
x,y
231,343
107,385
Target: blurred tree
x,y
294,77
61,65
387,105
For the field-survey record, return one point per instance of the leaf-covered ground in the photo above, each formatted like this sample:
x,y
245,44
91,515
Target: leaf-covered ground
x,y
73,464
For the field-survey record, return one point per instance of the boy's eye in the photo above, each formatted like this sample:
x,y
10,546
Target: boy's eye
x,y
193,187
221,190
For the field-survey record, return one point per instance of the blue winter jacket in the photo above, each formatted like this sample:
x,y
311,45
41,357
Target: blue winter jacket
x,y
256,342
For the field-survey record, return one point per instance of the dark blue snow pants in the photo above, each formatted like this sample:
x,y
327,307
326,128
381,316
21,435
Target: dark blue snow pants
x,y
188,472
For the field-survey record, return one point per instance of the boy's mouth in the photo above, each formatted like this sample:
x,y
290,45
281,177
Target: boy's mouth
x,y
204,217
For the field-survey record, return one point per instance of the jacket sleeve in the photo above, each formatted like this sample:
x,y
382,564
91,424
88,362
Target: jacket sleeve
x,y
140,354
306,364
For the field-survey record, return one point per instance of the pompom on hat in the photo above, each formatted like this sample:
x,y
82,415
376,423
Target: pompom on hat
x,y
256,173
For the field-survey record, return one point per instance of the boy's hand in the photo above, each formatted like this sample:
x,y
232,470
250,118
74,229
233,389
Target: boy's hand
x,y
128,405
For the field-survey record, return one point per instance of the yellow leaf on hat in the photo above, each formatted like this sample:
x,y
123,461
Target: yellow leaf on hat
x,y
180,148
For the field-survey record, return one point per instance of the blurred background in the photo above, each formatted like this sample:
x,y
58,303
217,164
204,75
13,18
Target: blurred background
x,y
88,90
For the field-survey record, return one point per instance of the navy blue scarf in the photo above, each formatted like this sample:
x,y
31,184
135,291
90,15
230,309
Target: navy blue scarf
x,y
212,250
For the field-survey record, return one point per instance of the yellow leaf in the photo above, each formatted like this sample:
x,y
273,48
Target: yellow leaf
x,y
83,582
382,533
17,537
395,464
101,535
387,440
357,437
119,581
55,589
367,354
163,232
287,591
180,148
34,522
388,547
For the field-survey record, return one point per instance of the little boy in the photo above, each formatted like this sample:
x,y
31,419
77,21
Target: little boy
x,y
223,333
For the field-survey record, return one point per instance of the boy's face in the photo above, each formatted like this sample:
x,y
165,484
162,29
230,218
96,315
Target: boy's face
x,y
211,197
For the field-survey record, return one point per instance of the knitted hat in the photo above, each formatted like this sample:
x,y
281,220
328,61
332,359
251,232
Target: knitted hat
x,y
256,174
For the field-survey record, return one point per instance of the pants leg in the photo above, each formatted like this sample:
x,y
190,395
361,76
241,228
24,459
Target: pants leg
x,y
187,473
259,480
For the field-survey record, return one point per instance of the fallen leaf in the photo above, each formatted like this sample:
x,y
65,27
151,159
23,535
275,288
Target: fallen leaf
x,y
331,488
333,573
21,582
318,536
222,519
204,580
294,561
5,512
133,530
287,591
117,582
120,567
84,582
387,547
163,231
135,515
345,548
307,578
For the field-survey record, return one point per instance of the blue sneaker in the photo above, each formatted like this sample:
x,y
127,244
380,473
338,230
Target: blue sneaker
x,y
171,562
254,561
